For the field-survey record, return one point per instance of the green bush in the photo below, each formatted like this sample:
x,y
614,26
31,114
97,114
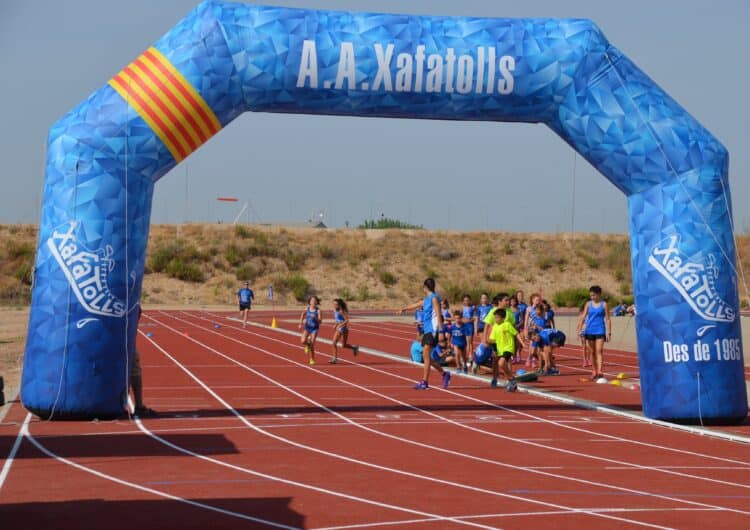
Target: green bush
x,y
626,289
497,277
454,292
346,294
507,249
179,260
544,262
233,256
591,261
241,232
189,272
17,250
387,222
326,252
246,273
576,296
294,259
573,297
363,294
297,284
23,273
619,275
387,278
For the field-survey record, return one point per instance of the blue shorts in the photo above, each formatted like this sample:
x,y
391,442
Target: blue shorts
x,y
469,330
311,330
342,330
480,326
420,329
460,342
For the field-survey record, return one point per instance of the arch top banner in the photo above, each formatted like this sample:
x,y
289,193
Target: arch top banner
x,y
225,58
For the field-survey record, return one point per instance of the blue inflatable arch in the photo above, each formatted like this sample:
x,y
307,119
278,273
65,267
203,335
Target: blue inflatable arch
x,y
223,59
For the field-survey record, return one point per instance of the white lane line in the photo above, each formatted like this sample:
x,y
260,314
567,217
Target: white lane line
x,y
13,450
604,409
158,493
496,435
518,514
254,427
398,438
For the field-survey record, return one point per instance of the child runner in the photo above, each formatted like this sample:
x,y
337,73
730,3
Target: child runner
x,y
458,341
549,315
483,309
584,346
501,301
596,327
504,336
341,329
535,299
311,319
418,323
469,316
536,323
245,297
443,354
445,308
513,308
432,324
548,339
522,307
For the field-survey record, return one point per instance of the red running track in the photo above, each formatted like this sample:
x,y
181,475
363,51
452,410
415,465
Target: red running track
x,y
250,436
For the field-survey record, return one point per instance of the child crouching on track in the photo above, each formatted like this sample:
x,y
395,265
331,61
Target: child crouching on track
x,y
504,336
311,319
341,329
548,339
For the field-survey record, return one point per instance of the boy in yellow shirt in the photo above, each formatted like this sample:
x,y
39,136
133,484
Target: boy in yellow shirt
x,y
504,337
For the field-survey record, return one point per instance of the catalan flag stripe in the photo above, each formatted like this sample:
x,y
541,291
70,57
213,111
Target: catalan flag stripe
x,y
167,102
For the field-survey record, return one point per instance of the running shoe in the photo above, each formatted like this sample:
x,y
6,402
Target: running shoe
x,y
475,369
446,379
466,369
422,385
493,383
312,362
553,371
355,349
511,386
145,412
333,361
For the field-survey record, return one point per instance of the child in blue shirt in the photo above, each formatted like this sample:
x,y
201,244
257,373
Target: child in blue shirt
x,y
458,341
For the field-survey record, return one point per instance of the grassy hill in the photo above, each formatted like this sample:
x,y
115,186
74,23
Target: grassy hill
x,y
204,264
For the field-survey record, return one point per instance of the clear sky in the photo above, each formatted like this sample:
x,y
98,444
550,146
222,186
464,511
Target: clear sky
x,y
53,54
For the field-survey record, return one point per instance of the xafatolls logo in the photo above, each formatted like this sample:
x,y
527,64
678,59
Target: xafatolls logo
x,y
86,271
694,281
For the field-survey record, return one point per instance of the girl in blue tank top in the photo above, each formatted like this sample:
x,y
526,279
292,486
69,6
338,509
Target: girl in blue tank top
x,y
341,329
469,317
595,326
431,323
311,320
483,309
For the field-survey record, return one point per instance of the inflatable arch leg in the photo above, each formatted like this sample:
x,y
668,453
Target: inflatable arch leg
x,y
224,59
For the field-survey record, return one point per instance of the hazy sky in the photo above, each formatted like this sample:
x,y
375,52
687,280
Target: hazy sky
x,y
53,54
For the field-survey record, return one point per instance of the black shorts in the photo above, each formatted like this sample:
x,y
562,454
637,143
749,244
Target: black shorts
x,y
507,356
594,337
244,306
429,339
